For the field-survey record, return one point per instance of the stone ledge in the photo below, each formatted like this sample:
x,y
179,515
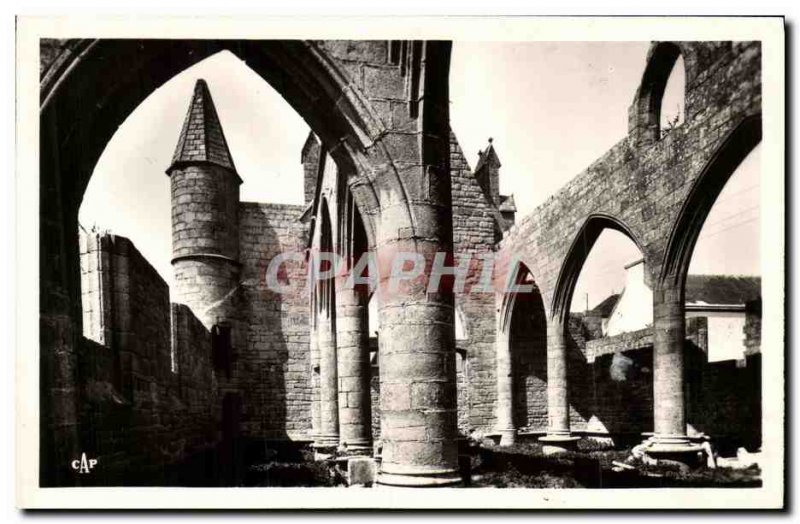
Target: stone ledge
x,y
623,342
696,333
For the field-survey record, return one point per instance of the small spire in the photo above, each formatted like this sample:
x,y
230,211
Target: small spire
x,y
491,140
202,138
311,145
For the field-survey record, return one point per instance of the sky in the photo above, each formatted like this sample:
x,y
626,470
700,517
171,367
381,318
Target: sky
x,y
551,109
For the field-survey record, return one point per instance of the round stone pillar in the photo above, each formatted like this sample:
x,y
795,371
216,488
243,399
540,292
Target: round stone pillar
x,y
352,348
505,389
669,332
558,438
417,325
670,440
328,436
417,372
313,347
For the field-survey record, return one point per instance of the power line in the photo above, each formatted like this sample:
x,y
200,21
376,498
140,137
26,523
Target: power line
x,y
713,226
753,219
724,196
739,212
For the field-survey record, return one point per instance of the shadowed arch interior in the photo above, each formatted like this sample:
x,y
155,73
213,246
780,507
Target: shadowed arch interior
x,y
325,292
526,324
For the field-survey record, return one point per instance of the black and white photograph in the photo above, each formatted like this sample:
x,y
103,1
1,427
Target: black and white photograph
x,y
520,263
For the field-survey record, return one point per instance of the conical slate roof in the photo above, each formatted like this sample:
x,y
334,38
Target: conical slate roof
x,y
488,156
202,139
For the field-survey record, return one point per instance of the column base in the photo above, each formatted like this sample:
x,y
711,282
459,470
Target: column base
x,y
360,448
325,446
421,479
508,437
674,449
553,444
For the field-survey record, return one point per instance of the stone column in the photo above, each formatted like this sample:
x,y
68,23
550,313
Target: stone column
x,y
670,440
313,347
352,348
558,438
505,389
669,331
417,338
328,436
418,375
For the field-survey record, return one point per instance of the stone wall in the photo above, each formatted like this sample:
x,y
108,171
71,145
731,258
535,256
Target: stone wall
x,y
752,327
475,230
204,200
147,391
272,369
643,186
724,400
621,401
611,391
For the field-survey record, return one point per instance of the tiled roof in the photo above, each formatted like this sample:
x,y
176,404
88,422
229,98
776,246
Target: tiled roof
x,y
604,308
507,203
722,289
486,156
708,289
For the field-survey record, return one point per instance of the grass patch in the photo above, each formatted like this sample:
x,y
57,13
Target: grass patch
x,y
524,465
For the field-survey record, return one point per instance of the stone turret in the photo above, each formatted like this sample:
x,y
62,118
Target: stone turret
x,y
205,209
487,171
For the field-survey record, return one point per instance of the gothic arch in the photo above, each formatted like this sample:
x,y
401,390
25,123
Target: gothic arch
x,y
93,85
88,90
520,274
646,109
325,289
702,196
576,256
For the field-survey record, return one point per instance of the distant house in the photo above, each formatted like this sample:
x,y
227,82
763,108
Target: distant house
x,y
722,299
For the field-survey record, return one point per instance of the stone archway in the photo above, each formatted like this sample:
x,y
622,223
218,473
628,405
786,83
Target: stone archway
x,y
702,196
397,160
521,333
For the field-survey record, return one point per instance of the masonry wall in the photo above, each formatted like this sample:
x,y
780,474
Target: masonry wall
x,y
146,388
752,327
611,387
645,185
272,369
474,233
204,208
725,400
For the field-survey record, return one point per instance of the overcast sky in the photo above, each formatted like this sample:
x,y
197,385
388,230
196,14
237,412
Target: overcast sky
x,y
551,108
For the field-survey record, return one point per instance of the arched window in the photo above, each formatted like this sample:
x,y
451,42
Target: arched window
x,y
660,104
672,112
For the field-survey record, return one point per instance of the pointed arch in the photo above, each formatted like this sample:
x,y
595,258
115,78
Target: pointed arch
x,y
576,257
704,192
645,118
521,276
93,85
